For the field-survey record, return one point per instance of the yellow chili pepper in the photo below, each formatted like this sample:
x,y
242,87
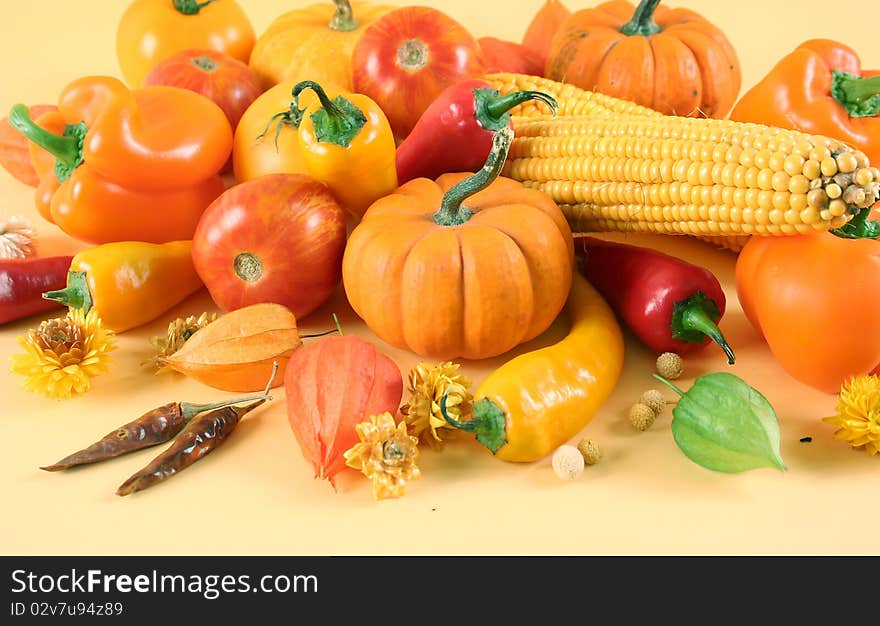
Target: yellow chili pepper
x,y
348,145
130,283
537,401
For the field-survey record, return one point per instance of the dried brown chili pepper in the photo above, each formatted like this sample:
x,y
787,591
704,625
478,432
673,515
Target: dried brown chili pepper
x,y
201,436
150,429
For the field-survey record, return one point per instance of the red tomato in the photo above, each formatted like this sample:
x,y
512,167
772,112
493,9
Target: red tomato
x,y
278,238
407,57
231,84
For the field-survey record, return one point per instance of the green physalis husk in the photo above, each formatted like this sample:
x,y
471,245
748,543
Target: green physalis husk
x,y
725,425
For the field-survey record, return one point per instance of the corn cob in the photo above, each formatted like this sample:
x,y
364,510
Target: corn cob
x,y
734,243
571,100
691,176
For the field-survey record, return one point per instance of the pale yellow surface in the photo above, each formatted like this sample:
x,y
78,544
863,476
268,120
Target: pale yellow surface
x,y
256,495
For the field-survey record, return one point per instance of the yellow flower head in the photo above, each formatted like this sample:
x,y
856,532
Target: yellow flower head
x,y
858,413
427,385
386,454
62,354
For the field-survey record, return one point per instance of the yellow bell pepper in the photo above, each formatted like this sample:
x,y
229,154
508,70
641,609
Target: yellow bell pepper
x,y
348,145
537,401
130,283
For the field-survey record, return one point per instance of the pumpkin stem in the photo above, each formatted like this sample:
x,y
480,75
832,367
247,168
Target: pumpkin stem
x,y
338,121
860,96
642,22
488,423
493,109
343,20
452,212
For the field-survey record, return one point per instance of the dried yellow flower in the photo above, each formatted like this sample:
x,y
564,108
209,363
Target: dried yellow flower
x,y
386,455
427,385
178,332
858,413
16,238
62,355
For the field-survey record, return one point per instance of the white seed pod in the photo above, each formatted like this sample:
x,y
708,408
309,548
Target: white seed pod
x,y
568,462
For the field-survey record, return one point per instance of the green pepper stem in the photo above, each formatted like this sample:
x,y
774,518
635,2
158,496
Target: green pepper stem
x,y
75,295
859,227
488,423
190,7
452,211
692,321
189,410
860,96
66,148
343,19
642,22
668,384
492,110
337,121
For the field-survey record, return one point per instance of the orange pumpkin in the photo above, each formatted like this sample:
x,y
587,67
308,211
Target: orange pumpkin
x,y
468,266
313,43
671,60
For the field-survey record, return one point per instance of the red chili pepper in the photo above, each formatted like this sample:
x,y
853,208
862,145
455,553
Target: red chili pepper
x,y
23,281
454,134
670,304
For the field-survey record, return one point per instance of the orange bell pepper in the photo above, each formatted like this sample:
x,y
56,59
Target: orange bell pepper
x,y
819,88
815,300
117,165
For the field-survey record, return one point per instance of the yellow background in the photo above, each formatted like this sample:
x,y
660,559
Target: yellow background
x,y
256,494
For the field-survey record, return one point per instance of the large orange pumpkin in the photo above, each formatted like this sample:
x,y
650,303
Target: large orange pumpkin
x,y
313,43
671,60
468,266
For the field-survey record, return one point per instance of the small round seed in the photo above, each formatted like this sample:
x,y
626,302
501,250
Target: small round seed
x,y
847,162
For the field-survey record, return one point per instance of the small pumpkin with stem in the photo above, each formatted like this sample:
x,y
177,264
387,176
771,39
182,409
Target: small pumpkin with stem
x,y
469,265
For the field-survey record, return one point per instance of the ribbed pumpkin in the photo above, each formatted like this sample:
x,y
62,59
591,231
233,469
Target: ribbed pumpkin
x,y
469,265
671,60
313,43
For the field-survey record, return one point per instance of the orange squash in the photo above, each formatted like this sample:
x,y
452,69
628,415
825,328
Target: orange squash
x,y
313,43
671,60
543,27
469,265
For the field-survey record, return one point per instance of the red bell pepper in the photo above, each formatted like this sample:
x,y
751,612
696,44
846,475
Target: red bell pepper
x,y
23,281
670,304
455,133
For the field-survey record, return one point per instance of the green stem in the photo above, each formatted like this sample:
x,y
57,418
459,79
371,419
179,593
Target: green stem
x,y
67,148
189,410
190,7
858,95
642,22
338,325
859,227
693,320
75,295
488,423
492,109
337,121
669,384
343,20
452,211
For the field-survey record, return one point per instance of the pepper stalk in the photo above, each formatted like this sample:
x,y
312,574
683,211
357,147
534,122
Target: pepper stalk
x,y
67,148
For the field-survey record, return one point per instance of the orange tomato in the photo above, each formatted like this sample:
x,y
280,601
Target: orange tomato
x,y
151,31
407,57
815,299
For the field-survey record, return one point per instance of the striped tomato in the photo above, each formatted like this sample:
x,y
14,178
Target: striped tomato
x,y
407,57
